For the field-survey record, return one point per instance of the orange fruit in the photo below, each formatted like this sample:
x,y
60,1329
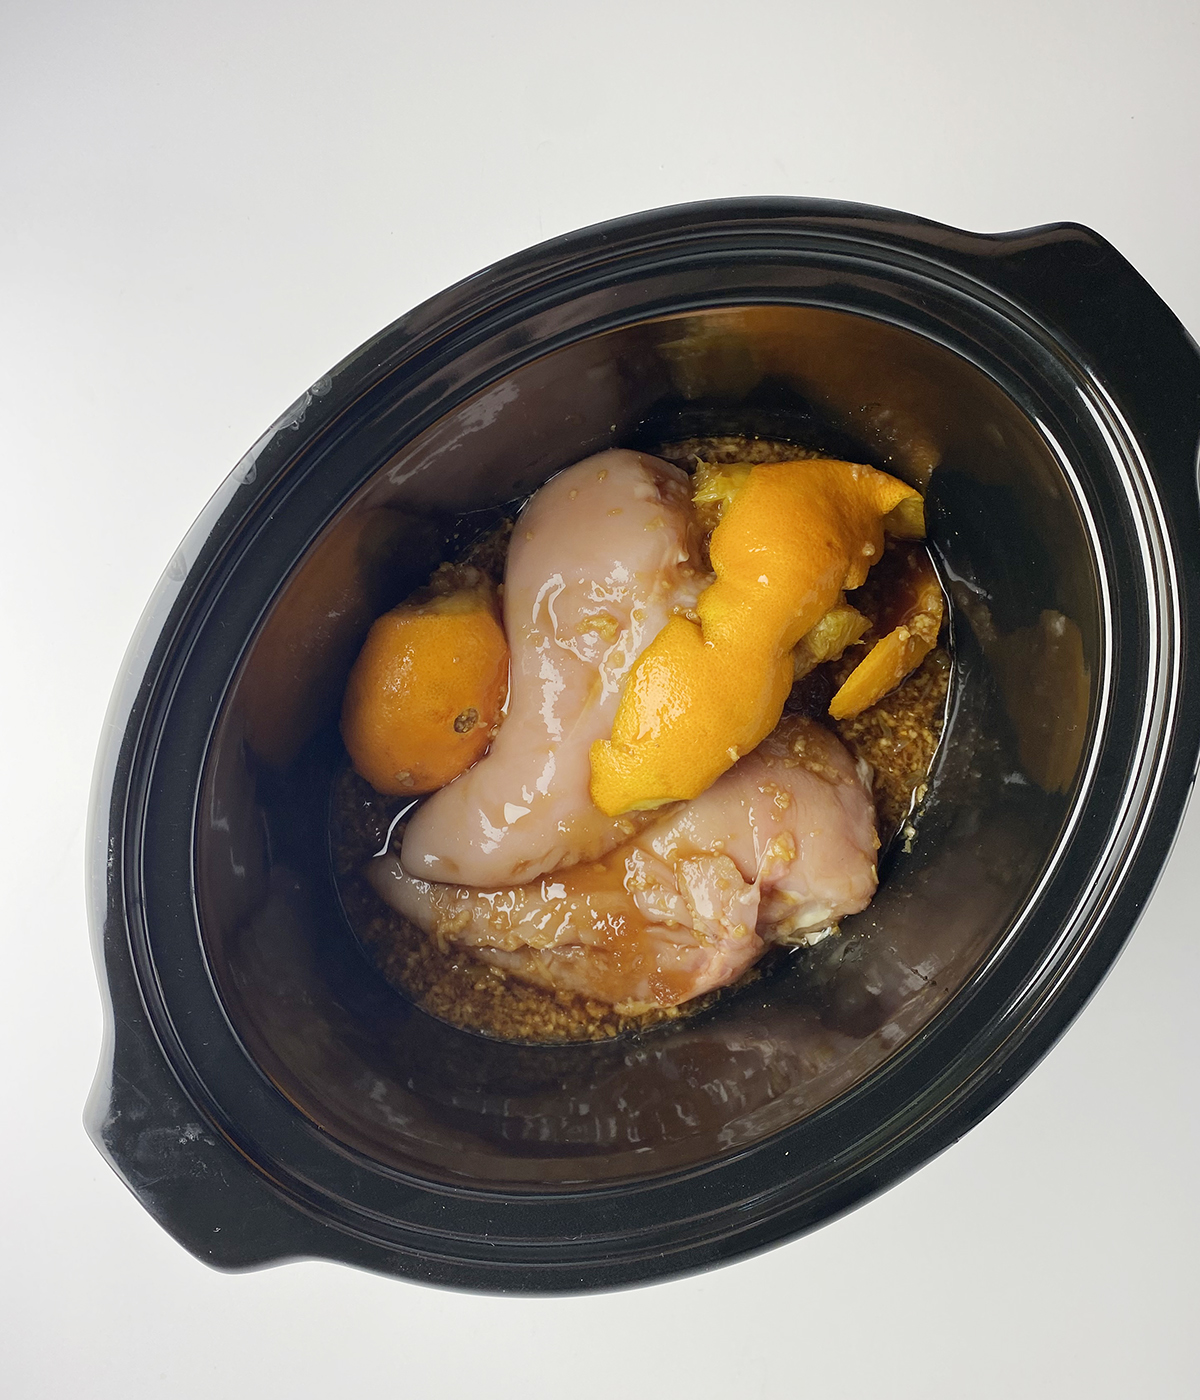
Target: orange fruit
x,y
424,697
710,687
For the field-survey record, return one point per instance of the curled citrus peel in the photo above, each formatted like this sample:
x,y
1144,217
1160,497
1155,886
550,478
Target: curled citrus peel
x,y
424,697
902,650
792,537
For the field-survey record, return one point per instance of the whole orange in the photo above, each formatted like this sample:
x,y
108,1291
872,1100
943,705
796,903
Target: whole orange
x,y
424,697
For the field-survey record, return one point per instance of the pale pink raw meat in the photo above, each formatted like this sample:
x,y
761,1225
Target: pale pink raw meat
x,y
599,558
780,846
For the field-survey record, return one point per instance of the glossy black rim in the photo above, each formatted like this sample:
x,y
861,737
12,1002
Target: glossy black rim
x,y
1048,316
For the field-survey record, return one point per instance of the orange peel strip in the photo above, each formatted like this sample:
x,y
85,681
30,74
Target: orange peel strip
x,y
897,655
712,684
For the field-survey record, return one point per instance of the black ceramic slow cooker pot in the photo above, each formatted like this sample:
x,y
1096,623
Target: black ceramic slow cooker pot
x,y
266,1095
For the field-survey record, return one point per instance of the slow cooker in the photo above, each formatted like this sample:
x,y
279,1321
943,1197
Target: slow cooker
x,y
267,1095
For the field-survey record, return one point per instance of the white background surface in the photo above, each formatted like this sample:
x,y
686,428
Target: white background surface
x,y
203,208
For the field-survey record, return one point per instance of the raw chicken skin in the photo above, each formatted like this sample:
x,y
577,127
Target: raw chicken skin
x,y
783,843
599,558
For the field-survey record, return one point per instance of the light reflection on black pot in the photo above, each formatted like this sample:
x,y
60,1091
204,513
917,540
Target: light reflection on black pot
x,y
1063,506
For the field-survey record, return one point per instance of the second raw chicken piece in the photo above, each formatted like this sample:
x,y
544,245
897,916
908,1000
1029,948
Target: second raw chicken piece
x,y
783,844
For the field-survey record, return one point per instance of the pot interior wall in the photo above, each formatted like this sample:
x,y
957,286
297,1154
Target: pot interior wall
x,y
415,1095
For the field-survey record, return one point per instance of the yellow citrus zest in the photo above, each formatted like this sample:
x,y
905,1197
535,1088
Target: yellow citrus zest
x,y
424,697
791,538
716,483
893,657
907,520
840,628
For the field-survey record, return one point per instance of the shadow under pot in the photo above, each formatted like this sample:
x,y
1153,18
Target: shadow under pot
x,y
268,1095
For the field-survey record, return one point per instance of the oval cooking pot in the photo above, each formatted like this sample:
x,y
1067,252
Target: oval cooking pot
x,y
267,1095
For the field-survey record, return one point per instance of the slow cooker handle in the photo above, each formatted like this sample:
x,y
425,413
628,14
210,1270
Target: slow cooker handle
x,y
193,1182
1095,303
1076,284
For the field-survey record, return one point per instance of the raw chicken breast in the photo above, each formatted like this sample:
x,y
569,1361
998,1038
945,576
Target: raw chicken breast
x,y
783,844
599,558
